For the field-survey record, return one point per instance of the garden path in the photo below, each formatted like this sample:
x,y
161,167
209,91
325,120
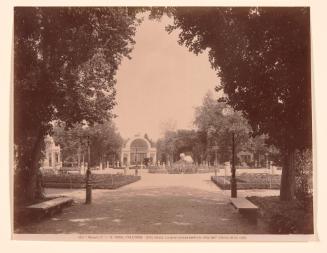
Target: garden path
x,y
157,204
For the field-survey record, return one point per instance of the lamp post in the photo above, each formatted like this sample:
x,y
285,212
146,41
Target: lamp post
x,y
88,185
233,184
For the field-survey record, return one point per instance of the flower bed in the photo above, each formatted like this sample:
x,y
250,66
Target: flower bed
x,y
99,181
285,217
249,181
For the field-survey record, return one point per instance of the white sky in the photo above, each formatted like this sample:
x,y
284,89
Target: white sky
x,y
163,81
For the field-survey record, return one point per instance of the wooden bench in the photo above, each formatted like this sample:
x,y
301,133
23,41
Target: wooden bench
x,y
49,207
246,208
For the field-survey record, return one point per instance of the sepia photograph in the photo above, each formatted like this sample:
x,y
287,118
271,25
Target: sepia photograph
x,y
152,123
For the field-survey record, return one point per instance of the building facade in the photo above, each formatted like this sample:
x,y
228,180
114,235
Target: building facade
x,y
136,150
52,158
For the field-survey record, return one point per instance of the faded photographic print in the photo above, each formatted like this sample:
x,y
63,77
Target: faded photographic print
x,y
162,124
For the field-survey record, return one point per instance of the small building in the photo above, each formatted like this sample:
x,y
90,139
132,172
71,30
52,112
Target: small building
x,y
245,156
257,160
52,156
136,150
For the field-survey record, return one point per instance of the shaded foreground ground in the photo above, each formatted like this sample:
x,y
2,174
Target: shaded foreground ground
x,y
157,204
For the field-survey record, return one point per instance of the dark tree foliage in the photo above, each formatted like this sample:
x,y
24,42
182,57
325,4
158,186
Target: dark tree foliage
x,y
210,118
65,60
262,57
216,122
176,142
105,142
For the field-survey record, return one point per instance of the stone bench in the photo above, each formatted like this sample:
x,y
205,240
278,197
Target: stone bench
x,y
49,207
246,208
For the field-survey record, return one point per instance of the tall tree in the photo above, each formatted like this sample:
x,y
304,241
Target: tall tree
x,y
262,57
65,60
73,141
217,121
105,142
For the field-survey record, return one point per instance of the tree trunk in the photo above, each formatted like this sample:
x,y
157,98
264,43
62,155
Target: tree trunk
x,y
31,187
287,187
29,179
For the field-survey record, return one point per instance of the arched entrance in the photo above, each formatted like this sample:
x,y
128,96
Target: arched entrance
x,y
136,150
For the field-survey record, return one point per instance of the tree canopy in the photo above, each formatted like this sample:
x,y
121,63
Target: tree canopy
x,y
216,122
219,121
65,61
262,57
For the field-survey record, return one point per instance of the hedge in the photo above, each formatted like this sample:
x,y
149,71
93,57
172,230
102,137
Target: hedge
x,y
285,217
249,181
99,181
177,169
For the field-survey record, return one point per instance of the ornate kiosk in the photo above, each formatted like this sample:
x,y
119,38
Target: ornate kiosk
x,y
136,150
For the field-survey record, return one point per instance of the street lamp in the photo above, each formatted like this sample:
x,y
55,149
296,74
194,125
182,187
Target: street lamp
x,y
88,185
233,184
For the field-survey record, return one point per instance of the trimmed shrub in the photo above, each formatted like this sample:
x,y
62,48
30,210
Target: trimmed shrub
x,y
282,224
285,217
303,176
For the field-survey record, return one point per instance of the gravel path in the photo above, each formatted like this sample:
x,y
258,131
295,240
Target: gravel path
x,y
157,204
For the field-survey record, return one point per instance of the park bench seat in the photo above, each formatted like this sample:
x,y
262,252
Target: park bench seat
x,y
245,207
49,207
